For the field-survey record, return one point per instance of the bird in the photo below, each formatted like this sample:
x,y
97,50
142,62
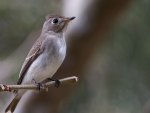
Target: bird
x,y
45,57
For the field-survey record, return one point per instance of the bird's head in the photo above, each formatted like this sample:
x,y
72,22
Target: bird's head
x,y
56,23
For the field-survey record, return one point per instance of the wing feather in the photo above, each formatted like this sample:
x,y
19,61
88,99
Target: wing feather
x,y
35,51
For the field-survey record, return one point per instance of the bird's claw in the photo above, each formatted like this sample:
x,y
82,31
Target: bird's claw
x,y
39,85
57,82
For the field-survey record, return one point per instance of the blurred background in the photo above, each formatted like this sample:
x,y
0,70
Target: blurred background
x,y
108,49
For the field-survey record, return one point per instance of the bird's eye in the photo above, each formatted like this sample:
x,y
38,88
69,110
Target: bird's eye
x,y
55,21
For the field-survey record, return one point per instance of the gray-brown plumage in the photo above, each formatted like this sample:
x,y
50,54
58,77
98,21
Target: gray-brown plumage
x,y
32,55
45,57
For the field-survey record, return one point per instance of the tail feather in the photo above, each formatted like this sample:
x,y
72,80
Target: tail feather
x,y
11,107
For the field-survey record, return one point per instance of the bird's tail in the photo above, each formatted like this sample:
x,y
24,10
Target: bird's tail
x,y
11,107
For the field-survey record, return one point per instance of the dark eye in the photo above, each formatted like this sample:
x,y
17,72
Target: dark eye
x,y
55,21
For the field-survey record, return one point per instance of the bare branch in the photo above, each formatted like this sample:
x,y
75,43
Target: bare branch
x,y
67,80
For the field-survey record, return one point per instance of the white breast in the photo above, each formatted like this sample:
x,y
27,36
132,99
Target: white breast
x,y
46,64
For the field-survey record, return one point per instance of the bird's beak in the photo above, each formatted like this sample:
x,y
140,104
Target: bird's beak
x,y
72,18
69,19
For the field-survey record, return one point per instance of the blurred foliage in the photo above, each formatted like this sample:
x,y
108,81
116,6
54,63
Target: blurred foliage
x,y
124,63
18,18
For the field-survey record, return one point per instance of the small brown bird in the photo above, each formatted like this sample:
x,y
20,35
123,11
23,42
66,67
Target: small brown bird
x,y
45,56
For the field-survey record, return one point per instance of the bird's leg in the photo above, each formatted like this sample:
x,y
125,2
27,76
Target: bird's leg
x,y
40,85
57,82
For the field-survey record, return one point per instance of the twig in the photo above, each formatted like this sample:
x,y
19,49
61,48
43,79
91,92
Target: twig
x,y
68,80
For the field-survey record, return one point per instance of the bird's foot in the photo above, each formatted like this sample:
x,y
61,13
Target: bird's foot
x,y
57,82
39,85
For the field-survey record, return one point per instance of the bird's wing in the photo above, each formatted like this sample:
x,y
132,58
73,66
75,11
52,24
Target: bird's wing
x,y
32,55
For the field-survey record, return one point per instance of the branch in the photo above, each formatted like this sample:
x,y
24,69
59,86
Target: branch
x,y
68,80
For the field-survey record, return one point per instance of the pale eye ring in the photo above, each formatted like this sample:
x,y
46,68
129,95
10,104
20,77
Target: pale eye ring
x,y
55,21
